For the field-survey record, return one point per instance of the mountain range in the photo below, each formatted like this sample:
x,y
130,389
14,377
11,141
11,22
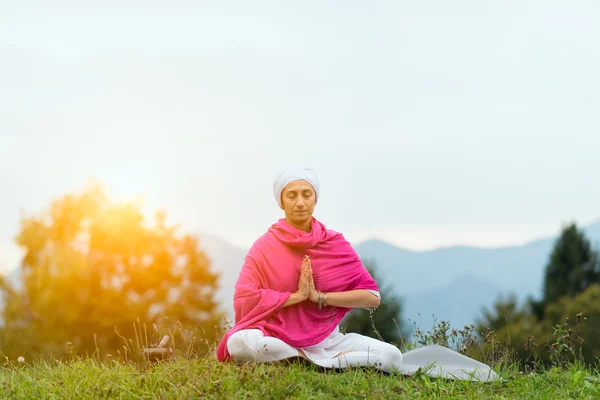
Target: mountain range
x,y
455,283
451,284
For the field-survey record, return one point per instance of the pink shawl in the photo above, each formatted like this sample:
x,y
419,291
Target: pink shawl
x,y
270,274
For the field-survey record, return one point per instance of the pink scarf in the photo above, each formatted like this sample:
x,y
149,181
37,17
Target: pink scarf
x,y
271,272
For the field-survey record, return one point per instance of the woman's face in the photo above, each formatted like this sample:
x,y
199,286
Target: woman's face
x,y
298,200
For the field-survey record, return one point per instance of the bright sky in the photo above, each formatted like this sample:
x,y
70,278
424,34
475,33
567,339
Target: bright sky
x,y
429,123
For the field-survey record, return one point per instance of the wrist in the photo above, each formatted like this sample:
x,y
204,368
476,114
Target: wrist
x,y
300,296
295,298
322,299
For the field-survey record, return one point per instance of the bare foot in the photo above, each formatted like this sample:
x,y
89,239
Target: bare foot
x,y
301,354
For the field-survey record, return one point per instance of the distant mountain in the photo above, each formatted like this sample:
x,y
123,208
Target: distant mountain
x,y
518,268
227,260
592,232
458,302
454,283
451,283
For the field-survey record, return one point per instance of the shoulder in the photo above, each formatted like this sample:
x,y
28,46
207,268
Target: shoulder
x,y
326,233
338,240
337,236
261,244
262,240
334,233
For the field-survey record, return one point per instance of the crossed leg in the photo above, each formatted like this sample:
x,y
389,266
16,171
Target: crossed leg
x,y
353,351
253,345
361,351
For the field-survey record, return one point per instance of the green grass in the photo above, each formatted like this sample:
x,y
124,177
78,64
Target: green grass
x,y
207,378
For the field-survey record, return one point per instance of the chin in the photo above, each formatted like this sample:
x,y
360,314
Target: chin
x,y
300,220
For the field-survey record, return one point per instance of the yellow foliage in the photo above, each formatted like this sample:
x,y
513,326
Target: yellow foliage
x,y
91,265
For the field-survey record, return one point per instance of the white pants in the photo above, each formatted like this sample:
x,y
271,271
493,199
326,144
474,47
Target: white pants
x,y
434,360
252,345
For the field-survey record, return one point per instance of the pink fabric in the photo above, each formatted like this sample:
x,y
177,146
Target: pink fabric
x,y
271,272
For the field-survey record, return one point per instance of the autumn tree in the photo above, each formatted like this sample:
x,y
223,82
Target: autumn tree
x,y
92,268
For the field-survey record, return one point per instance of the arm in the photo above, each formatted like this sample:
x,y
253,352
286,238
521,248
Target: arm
x,y
253,300
294,298
352,299
359,298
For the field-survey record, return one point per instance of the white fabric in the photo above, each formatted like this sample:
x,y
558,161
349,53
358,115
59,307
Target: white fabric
x,y
435,361
440,361
252,345
292,173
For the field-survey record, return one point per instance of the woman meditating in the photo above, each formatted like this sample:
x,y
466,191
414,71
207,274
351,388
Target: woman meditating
x,y
298,281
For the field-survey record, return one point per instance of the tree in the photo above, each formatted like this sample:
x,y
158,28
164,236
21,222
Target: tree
x,y
504,311
580,318
572,268
539,330
92,267
383,323
511,334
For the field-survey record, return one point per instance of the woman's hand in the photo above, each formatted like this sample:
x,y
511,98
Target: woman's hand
x,y
303,284
313,295
305,278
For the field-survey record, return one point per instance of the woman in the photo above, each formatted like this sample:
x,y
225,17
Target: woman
x,y
298,281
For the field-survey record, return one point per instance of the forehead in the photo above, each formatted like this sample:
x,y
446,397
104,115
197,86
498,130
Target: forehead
x,y
297,186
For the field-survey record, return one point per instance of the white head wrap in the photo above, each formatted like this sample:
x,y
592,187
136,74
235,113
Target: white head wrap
x,y
292,173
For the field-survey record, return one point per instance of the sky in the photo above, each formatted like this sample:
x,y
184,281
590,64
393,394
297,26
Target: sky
x,y
429,123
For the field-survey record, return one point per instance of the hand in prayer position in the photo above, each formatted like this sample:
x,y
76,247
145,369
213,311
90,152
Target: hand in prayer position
x,y
304,283
313,294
